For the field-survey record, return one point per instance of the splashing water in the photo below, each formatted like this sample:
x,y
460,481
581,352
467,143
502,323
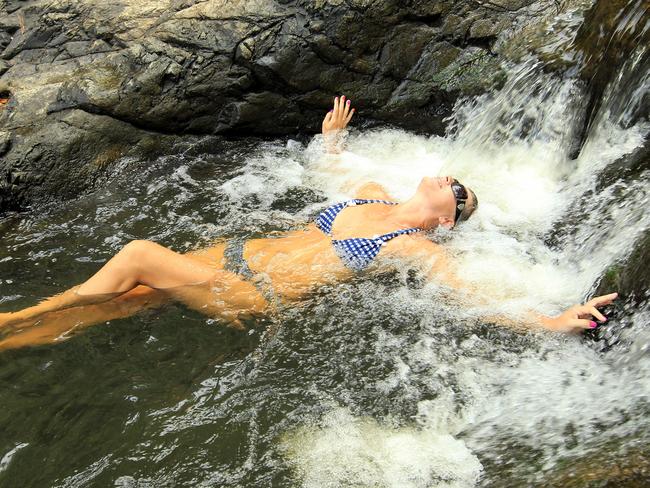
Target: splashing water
x,y
381,382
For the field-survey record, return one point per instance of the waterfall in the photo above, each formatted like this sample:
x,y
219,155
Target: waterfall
x,y
388,380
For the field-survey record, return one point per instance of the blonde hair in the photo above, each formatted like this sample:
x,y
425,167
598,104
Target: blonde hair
x,y
469,209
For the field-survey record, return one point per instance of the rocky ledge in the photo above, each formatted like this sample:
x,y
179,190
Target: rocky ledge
x,y
84,82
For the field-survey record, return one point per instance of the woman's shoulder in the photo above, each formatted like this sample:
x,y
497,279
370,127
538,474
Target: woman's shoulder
x,y
372,190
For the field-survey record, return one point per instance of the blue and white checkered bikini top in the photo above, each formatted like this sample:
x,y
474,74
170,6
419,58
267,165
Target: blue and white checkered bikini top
x,y
357,252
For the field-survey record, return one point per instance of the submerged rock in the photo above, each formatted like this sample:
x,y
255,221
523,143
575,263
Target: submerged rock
x,y
630,279
629,468
87,82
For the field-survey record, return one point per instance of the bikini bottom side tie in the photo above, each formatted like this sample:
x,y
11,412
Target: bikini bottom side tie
x,y
234,262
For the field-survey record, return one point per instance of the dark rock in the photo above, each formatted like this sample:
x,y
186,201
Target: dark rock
x,y
614,33
484,28
5,142
403,49
623,172
627,168
630,279
141,69
443,72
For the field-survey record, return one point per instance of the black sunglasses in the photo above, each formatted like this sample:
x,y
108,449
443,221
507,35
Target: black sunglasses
x,y
460,194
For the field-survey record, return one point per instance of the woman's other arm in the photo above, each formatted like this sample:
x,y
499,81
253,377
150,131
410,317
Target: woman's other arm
x,y
579,316
576,318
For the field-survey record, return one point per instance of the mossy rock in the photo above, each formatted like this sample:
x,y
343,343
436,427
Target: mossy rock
x,y
632,278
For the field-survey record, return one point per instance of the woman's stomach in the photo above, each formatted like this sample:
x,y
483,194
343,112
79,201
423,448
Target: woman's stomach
x,y
297,262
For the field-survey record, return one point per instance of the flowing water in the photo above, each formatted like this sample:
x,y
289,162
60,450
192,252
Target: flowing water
x,y
384,381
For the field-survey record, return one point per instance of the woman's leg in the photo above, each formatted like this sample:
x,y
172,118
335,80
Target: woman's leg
x,y
138,263
54,326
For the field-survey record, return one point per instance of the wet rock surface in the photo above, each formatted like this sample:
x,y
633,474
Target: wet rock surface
x,y
630,275
612,47
631,470
88,82
611,55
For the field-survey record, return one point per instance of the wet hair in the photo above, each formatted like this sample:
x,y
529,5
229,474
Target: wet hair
x,y
469,209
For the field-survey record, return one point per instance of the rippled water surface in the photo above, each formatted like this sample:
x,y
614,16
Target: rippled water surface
x,y
383,381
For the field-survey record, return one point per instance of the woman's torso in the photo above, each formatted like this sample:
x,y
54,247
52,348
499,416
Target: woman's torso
x,y
301,260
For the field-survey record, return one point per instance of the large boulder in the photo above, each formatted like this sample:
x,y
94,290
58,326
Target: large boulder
x,y
87,82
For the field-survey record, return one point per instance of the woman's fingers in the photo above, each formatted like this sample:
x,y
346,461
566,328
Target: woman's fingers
x,y
340,115
587,311
579,316
582,323
349,117
596,313
602,300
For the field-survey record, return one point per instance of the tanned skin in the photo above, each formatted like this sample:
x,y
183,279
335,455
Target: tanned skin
x,y
145,274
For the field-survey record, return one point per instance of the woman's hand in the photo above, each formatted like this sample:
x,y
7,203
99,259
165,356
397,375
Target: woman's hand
x,y
579,317
339,117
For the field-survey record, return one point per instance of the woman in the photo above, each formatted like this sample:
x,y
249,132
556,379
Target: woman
x,y
236,278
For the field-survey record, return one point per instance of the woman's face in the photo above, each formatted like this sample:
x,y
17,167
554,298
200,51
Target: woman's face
x,y
440,196
437,189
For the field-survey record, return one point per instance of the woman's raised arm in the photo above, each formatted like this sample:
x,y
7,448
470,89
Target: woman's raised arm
x,y
335,121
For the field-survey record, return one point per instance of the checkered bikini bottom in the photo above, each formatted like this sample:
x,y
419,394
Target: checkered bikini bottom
x,y
234,262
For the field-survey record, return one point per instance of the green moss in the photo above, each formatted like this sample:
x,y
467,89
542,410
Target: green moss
x,y
107,76
612,278
621,467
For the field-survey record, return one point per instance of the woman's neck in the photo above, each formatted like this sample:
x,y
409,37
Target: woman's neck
x,y
413,213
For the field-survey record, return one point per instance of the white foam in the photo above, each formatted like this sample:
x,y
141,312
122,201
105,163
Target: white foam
x,y
344,450
6,459
266,176
554,401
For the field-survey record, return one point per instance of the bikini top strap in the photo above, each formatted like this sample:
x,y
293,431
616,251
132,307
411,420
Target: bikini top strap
x,y
391,235
361,201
